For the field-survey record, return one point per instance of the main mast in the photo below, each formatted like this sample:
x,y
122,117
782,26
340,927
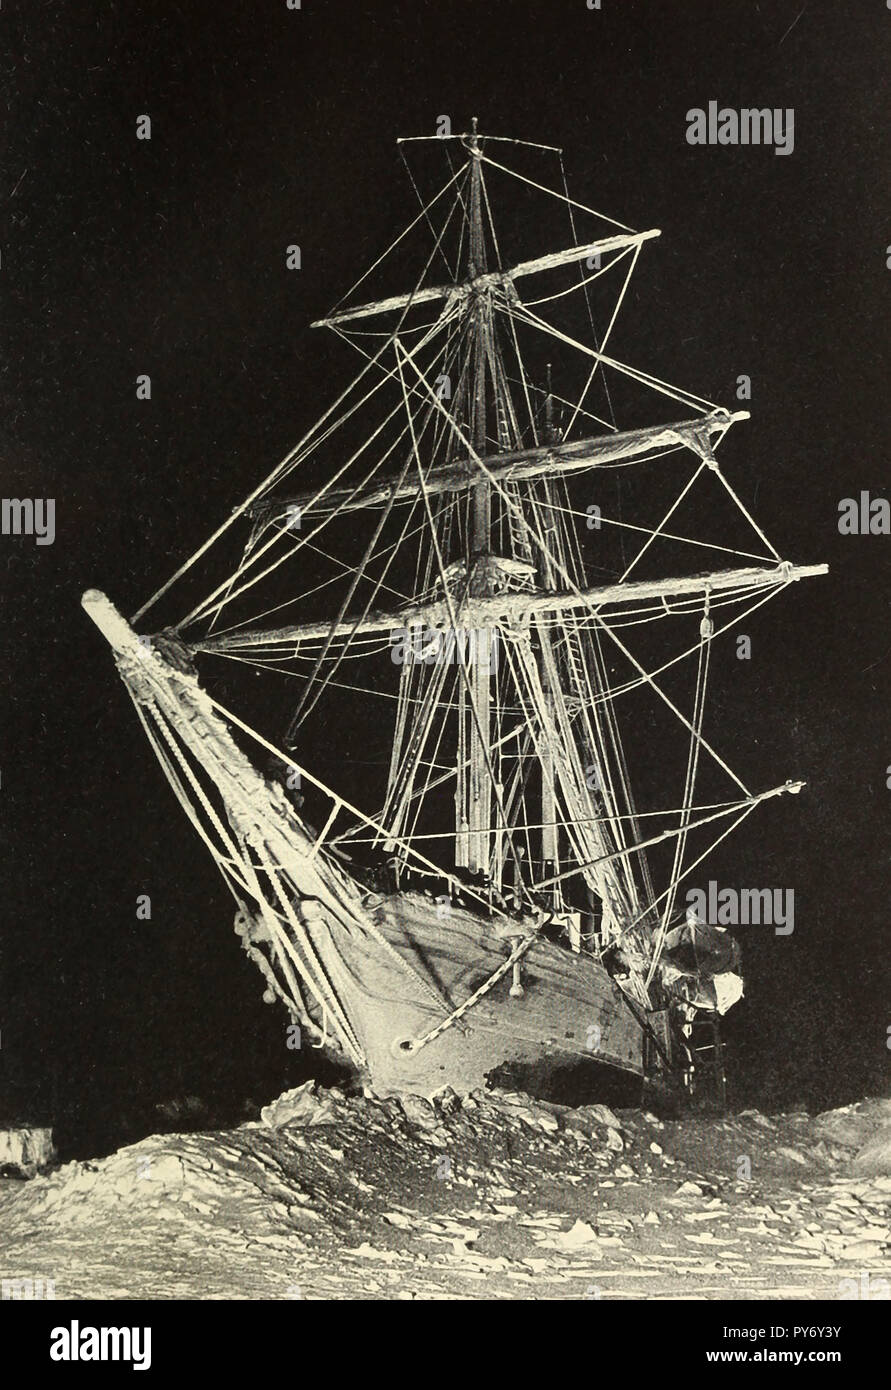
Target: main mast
x,y
479,809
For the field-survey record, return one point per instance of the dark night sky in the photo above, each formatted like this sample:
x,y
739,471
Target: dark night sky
x,y
121,257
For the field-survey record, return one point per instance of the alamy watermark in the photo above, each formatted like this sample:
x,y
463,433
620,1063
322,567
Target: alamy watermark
x,y
864,515
434,646
77,1343
29,516
27,1289
747,126
744,907
867,1287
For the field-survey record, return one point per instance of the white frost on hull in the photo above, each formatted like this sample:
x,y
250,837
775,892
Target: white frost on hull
x,y
570,1013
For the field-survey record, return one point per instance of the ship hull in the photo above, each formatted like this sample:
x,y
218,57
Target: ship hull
x,y
570,1016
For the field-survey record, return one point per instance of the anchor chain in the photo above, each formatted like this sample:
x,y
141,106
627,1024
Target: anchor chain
x,y
415,1044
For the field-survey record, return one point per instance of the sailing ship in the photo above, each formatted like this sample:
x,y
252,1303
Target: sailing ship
x,y
497,894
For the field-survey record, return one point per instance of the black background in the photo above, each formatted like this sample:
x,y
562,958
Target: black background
x,y
120,256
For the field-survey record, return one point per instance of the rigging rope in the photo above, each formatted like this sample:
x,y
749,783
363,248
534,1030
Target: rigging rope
x,y
485,159
707,629
602,345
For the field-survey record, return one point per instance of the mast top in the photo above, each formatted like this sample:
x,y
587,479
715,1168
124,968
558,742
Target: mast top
x,y
476,257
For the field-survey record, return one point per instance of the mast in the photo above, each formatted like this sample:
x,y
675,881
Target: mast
x,y
481,511
550,843
480,807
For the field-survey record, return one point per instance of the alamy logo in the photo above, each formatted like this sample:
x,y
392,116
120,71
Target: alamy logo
x,y
27,1289
29,517
864,516
434,646
76,1343
748,126
867,1287
744,907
